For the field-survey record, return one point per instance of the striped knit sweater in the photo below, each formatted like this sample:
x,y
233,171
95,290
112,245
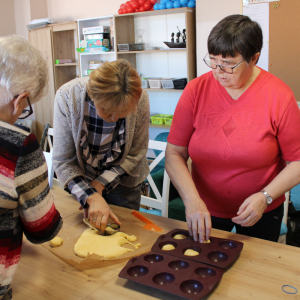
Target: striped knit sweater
x,y
26,203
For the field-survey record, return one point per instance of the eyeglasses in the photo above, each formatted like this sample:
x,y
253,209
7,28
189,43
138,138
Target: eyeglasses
x,y
225,69
26,112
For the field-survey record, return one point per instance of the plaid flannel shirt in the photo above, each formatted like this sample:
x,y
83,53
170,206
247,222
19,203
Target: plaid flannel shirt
x,y
101,144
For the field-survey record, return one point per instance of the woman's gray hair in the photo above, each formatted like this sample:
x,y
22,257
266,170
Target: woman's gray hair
x,y
22,69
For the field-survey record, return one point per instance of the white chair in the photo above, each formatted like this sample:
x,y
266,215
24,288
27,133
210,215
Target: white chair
x,y
162,200
53,182
282,238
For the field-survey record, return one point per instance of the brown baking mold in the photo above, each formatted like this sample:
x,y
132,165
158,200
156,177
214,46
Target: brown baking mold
x,y
219,252
186,278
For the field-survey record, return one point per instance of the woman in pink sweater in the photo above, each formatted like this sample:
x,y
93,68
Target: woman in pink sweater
x,y
240,125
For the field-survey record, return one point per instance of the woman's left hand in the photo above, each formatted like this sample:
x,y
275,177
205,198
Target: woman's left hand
x,y
251,210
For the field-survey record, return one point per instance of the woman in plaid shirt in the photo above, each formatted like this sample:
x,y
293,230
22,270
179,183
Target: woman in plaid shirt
x,y
101,133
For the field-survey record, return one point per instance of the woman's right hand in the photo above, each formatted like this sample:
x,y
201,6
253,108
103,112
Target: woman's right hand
x,y
198,220
99,211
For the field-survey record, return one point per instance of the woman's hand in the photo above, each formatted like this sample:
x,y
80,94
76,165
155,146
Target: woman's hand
x,y
98,186
251,210
99,211
198,220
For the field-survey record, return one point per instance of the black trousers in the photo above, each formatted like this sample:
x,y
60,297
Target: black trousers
x,y
267,228
129,197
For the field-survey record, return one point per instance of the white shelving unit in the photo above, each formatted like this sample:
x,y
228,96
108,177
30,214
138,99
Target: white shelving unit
x,y
157,27
86,57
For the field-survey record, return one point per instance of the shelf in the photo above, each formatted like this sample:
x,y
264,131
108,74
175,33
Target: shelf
x,y
158,12
96,52
67,65
163,90
163,126
144,51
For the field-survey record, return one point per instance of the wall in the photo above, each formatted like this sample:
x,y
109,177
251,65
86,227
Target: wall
x,y
73,10
38,9
7,18
208,14
23,16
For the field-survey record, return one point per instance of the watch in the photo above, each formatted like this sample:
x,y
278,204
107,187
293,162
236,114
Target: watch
x,y
269,199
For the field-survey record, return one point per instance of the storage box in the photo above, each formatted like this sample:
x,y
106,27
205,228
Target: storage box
x,y
94,43
87,72
96,29
154,83
94,66
160,119
96,61
145,84
131,47
168,121
167,83
98,36
180,83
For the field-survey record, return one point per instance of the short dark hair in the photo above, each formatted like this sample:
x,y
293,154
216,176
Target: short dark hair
x,y
235,34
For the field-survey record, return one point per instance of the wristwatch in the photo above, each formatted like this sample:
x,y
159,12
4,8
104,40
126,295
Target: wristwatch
x,y
269,199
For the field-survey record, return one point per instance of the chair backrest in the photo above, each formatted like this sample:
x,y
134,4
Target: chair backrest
x,y
162,200
48,156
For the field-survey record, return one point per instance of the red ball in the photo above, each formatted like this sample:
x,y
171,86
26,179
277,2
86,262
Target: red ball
x,y
135,5
128,2
137,10
142,2
153,1
124,10
142,8
147,5
120,11
129,9
122,5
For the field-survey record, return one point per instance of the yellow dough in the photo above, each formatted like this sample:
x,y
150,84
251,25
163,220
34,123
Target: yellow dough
x,y
168,247
206,241
57,241
179,237
190,252
110,230
107,246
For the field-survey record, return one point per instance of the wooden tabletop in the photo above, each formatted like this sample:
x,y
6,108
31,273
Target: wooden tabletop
x,y
259,273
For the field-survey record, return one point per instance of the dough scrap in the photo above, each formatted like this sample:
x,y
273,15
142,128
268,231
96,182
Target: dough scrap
x,y
179,237
190,252
206,241
168,247
110,230
57,241
107,246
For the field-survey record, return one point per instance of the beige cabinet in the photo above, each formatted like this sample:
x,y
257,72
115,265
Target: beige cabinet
x,y
56,41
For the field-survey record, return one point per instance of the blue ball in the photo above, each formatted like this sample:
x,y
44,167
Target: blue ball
x,y
164,1
162,6
169,5
156,6
184,2
191,3
176,4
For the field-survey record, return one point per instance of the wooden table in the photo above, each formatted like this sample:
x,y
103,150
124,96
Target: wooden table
x,y
259,273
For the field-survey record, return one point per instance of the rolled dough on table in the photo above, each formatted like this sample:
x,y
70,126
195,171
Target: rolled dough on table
x,y
107,246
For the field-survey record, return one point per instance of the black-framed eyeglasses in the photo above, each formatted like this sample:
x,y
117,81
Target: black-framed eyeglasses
x,y
26,112
225,69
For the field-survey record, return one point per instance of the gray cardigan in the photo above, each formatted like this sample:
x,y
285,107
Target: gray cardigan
x,y
68,118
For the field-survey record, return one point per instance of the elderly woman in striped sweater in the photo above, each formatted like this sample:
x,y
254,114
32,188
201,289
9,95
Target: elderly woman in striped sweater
x,y
26,203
